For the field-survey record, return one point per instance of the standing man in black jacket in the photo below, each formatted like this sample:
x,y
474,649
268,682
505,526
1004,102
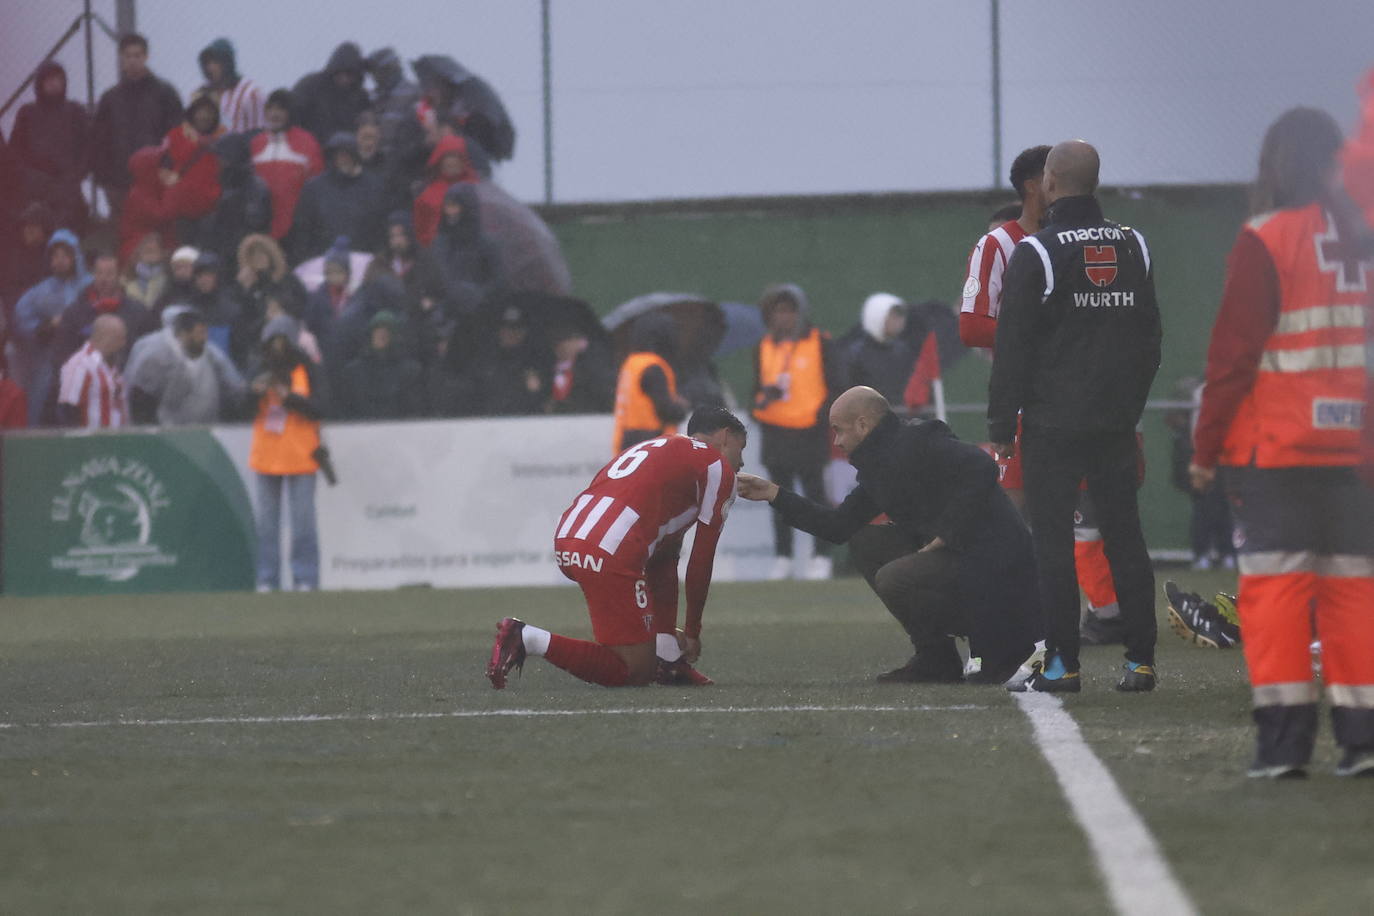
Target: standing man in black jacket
x,y
955,557
1078,344
134,113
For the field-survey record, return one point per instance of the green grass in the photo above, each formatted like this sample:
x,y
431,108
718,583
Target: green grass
x,y
922,811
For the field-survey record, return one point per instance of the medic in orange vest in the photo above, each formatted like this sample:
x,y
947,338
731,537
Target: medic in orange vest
x,y
1282,413
647,404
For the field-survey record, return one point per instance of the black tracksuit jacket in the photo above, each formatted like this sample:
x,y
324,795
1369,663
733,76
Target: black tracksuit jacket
x,y
1078,334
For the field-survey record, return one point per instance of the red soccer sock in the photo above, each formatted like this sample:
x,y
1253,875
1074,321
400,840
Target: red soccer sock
x,y
588,660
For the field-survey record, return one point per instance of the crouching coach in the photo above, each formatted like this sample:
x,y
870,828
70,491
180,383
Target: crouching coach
x,y
952,558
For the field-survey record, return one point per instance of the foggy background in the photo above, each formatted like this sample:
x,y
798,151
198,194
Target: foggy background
x,y
709,98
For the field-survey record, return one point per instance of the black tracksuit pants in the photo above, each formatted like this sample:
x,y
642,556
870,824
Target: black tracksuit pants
x,y
1053,462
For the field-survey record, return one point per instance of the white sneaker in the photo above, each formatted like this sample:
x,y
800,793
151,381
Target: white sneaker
x,y
819,568
1029,666
782,569
264,588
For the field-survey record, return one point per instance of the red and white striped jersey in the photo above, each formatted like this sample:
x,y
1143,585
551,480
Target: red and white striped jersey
x,y
983,286
647,495
94,388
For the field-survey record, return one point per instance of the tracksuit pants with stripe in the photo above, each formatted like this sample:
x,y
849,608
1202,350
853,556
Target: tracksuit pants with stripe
x,y
1306,555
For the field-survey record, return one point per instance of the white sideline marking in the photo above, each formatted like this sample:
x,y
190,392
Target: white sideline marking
x,y
477,714
1138,878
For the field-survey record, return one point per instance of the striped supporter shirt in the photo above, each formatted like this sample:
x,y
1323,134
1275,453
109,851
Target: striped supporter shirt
x,y
94,388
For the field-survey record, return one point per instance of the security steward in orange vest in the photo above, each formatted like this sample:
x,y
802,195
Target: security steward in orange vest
x,y
794,383
647,404
1282,414
286,455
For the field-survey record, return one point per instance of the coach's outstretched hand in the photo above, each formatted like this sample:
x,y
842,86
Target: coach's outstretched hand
x,y
756,488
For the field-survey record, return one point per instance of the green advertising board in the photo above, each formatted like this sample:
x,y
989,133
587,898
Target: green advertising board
x,y
121,513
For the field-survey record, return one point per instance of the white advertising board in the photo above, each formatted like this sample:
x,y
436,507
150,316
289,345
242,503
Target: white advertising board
x,y
473,503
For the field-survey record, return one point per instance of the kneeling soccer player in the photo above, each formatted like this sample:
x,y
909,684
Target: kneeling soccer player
x,y
620,541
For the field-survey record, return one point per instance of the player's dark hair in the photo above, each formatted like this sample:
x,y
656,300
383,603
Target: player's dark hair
x,y
1029,163
1298,152
707,420
128,39
187,321
1005,214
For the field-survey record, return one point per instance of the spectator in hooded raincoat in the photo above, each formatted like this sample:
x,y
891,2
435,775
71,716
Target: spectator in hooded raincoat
x,y
876,354
137,112
345,200
448,165
382,382
150,206
25,262
285,157
245,203
262,271
37,318
239,99
51,142
466,256
224,319
329,101
425,302
394,98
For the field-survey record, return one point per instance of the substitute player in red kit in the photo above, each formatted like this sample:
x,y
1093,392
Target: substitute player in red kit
x,y
620,541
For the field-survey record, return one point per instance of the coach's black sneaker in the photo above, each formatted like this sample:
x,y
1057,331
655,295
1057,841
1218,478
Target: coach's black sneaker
x,y
931,665
507,652
1260,770
1101,631
1052,677
1356,762
1137,679
1198,621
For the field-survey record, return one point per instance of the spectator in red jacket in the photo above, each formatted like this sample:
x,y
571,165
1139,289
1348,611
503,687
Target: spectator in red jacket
x,y
448,165
14,408
51,141
286,157
191,172
148,208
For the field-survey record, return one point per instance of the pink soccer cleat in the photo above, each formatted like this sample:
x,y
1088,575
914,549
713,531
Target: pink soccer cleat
x,y
507,652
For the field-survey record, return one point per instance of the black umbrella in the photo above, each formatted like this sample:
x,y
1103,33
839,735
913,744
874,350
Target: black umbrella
x,y
698,322
471,100
531,258
547,315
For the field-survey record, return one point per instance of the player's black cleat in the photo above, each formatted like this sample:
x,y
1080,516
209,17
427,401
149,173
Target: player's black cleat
x,y
1140,679
1198,621
507,652
1101,631
1356,762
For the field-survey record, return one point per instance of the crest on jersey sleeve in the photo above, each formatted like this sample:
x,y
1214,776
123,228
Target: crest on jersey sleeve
x,y
1099,263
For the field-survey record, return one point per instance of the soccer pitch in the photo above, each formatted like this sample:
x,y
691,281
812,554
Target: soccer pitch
x,y
344,753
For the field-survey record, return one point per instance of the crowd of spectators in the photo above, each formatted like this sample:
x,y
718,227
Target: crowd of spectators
x,y
345,209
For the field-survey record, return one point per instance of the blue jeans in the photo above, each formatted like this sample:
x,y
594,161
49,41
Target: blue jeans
x,y
305,542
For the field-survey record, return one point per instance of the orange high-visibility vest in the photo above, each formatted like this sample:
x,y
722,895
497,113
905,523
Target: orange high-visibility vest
x,y
290,448
1307,405
804,389
633,408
